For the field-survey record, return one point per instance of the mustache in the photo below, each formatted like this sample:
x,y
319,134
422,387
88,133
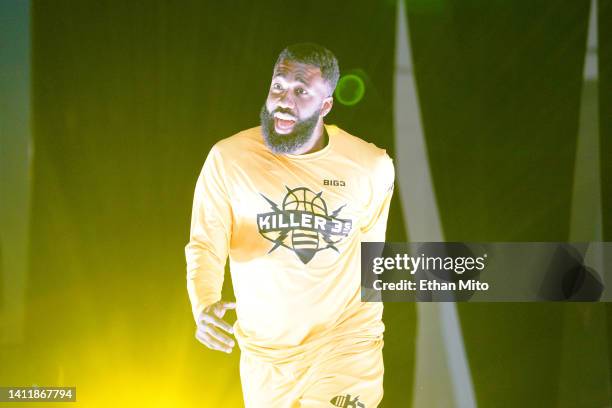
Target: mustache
x,y
283,110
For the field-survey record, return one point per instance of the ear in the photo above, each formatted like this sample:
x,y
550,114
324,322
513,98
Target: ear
x,y
327,105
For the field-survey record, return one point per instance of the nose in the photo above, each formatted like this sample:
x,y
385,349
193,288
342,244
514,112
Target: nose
x,y
286,101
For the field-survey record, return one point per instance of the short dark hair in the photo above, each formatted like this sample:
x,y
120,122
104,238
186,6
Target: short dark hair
x,y
314,54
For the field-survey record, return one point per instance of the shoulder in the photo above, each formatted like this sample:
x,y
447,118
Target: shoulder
x,y
238,148
367,155
248,139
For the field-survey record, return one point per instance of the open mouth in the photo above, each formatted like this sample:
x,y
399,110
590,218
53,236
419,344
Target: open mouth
x,y
283,124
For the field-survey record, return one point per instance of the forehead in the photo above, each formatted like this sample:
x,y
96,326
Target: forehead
x,y
298,71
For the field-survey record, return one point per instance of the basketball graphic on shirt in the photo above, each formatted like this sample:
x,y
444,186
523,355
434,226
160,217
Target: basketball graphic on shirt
x,y
302,223
305,242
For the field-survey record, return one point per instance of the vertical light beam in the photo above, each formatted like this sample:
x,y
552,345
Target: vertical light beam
x,y
442,376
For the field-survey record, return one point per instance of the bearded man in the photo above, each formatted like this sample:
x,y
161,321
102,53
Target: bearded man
x,y
289,202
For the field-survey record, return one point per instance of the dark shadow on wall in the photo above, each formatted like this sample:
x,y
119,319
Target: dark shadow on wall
x,y
499,88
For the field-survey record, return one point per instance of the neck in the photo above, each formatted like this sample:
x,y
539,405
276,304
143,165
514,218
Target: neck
x,y
317,142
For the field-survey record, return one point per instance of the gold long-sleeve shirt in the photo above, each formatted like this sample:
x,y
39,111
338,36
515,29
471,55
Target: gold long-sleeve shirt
x,y
291,226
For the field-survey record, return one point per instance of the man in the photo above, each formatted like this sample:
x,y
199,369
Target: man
x,y
289,202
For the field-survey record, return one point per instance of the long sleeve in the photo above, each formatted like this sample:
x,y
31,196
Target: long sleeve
x,y
382,187
211,225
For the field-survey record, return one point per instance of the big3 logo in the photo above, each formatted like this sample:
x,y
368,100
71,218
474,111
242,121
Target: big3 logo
x,y
302,224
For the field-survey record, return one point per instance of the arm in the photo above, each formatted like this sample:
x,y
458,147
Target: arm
x,y
375,228
207,251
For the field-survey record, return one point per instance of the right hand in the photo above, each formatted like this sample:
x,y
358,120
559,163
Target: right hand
x,y
210,325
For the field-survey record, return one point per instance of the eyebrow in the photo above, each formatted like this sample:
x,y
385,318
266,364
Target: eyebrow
x,y
298,78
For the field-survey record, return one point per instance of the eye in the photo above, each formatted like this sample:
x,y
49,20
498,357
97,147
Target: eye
x,y
277,87
301,91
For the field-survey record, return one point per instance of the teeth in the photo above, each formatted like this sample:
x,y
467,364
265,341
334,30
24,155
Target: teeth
x,y
282,123
283,116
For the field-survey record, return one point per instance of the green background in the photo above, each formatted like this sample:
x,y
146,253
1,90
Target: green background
x,y
128,97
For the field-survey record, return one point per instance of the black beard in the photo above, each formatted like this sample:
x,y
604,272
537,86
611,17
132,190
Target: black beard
x,y
291,142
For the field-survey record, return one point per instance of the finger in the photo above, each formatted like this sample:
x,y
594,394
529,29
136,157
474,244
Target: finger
x,y
226,340
211,319
205,339
228,305
211,342
221,307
